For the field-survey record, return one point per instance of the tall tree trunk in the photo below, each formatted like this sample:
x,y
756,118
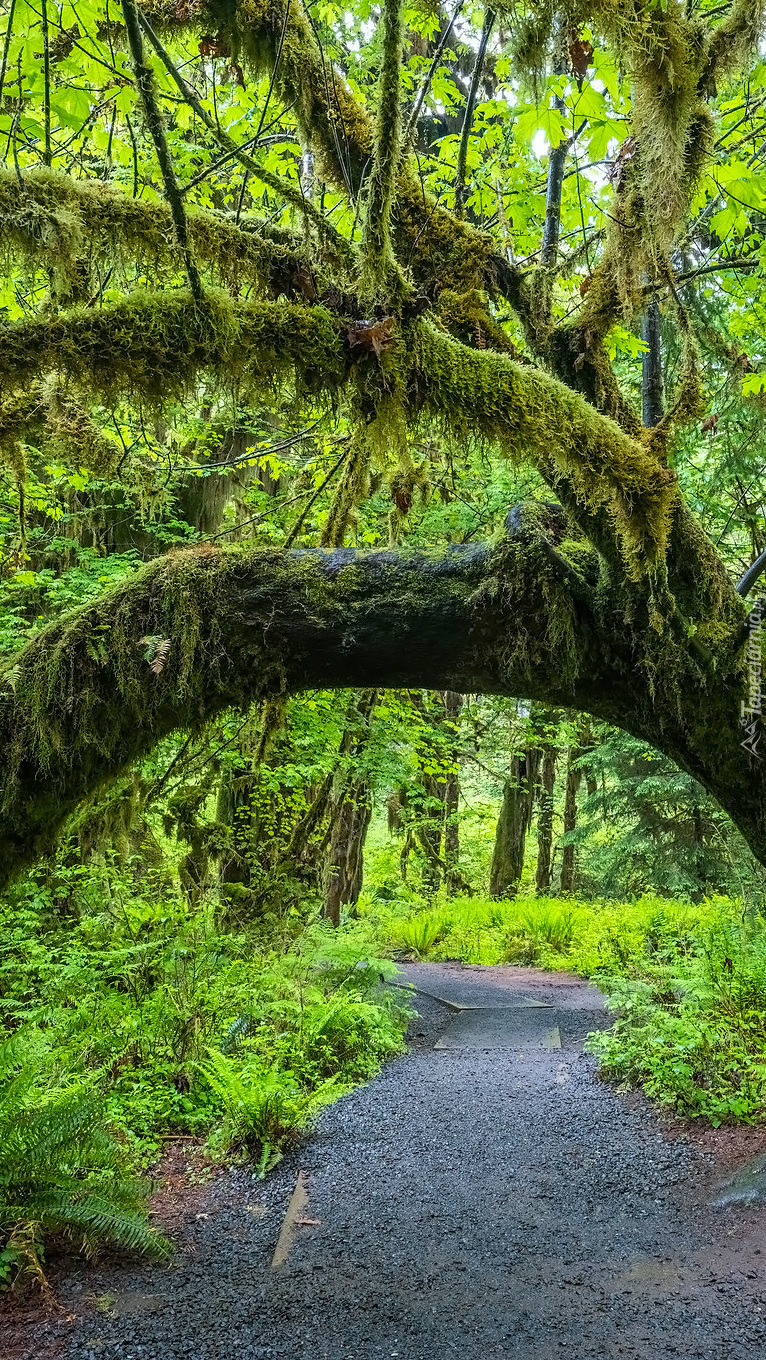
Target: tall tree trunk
x,y
573,778
652,396
545,816
513,824
350,813
345,861
452,876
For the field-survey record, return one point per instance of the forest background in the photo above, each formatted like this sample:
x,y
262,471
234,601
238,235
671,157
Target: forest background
x,y
204,952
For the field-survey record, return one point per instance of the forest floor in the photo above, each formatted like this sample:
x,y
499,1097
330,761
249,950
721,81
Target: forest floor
x,y
471,1201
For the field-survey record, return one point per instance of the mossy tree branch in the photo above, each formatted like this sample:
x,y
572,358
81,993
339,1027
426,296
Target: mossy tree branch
x,y
379,263
153,345
56,218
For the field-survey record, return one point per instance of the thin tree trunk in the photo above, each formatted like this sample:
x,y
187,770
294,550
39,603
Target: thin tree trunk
x,y
545,818
453,879
573,778
652,396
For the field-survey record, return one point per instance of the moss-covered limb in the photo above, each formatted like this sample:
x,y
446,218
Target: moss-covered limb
x,y
154,121
57,219
203,630
733,40
583,455
155,344
378,260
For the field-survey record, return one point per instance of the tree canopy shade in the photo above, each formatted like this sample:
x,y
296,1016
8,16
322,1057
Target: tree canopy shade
x,y
393,291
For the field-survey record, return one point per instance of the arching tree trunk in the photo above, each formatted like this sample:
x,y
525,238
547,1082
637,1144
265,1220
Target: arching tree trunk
x,y
201,631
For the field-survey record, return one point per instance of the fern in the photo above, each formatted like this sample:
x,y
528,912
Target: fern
x,y
62,1174
263,1111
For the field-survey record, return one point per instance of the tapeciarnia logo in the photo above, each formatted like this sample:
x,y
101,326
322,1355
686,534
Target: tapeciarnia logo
x,y
751,708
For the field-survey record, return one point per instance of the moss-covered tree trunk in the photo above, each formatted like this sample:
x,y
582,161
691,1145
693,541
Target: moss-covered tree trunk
x,y
572,784
344,872
545,814
89,694
452,876
513,823
350,811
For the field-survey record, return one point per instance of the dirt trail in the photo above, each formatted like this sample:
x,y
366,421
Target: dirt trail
x,y
467,1202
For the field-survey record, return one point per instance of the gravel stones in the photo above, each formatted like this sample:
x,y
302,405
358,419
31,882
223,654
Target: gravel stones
x,y
487,1205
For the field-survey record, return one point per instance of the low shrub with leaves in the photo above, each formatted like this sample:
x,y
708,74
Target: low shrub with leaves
x,y
692,1029
178,1025
63,1175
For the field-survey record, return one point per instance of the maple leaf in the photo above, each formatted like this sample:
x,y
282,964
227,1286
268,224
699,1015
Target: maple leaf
x,y
210,46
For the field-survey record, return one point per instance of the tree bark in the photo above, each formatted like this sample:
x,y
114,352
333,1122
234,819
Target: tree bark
x,y
545,815
203,630
513,824
453,878
573,778
652,394
350,814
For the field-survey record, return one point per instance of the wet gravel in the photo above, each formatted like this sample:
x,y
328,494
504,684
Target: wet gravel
x,y
470,1204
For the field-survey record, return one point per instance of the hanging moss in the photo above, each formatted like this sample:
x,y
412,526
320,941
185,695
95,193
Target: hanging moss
x,y
57,219
532,416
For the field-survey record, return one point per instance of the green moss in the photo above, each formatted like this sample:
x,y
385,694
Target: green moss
x,y
154,345
57,220
532,416
468,318
380,276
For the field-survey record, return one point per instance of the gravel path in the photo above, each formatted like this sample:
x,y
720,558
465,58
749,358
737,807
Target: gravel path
x,y
464,1203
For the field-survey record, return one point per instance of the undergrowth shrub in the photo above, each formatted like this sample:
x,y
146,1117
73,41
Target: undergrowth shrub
x,y
63,1175
692,1029
135,991
264,1111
